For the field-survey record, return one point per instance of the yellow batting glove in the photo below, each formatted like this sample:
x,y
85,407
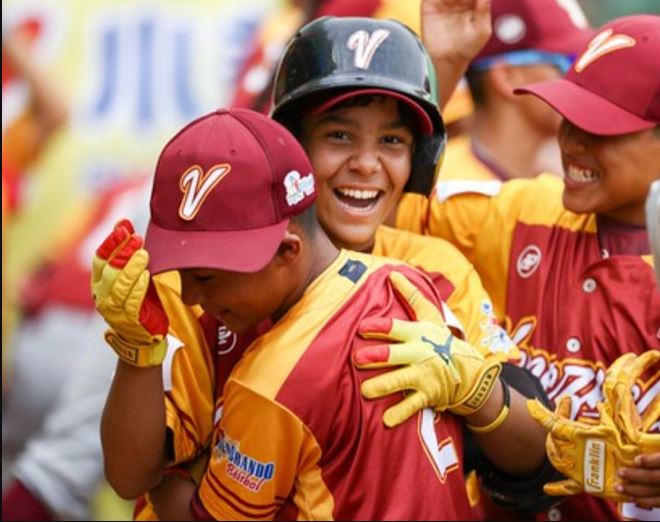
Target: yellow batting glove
x,y
588,454
126,298
441,371
620,378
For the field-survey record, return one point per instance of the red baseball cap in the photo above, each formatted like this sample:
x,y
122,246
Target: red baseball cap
x,y
547,26
424,123
223,191
613,87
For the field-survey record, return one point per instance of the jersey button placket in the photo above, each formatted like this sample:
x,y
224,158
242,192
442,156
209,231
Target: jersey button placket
x,y
573,344
589,285
554,514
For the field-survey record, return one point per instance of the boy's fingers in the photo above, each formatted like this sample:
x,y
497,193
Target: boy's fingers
x,y
423,308
641,476
648,460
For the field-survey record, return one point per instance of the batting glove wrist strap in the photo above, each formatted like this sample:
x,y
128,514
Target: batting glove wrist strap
x,y
140,356
126,297
501,417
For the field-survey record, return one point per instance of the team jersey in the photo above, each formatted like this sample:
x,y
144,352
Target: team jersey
x,y
61,279
460,163
208,348
296,439
201,353
588,283
200,345
18,149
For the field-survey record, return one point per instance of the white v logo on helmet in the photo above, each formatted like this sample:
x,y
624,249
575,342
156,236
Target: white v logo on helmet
x,y
365,45
602,44
196,186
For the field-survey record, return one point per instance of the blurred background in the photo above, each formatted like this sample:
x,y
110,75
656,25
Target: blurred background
x,y
600,11
91,90
131,72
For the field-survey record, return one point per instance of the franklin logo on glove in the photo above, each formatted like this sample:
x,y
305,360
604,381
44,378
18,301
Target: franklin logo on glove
x,y
594,466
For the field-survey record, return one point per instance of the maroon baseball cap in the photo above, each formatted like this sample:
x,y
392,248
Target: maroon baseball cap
x,y
548,26
223,191
613,87
424,123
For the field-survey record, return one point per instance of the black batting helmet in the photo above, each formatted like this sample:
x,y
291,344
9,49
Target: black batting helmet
x,y
331,55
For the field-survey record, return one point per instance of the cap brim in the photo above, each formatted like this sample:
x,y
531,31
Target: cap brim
x,y
235,251
423,119
586,110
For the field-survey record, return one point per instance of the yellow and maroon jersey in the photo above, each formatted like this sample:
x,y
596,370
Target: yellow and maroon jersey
x,y
201,354
297,440
188,376
460,163
575,291
202,351
467,304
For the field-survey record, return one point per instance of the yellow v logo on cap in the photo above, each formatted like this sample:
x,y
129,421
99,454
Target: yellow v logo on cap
x,y
196,186
602,44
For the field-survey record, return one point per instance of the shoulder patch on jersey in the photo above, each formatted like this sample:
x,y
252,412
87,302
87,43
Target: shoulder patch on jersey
x,y
495,339
353,270
447,189
528,261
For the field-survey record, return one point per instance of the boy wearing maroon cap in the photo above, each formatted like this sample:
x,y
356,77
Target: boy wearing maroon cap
x,y
532,40
568,265
225,182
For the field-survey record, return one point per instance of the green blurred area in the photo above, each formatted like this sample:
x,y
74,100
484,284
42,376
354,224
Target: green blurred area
x,y
108,506
600,11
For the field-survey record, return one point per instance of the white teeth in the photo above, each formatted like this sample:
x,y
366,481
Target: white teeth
x,y
358,194
581,174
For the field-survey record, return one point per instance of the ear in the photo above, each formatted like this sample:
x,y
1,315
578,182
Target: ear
x,y
502,81
291,248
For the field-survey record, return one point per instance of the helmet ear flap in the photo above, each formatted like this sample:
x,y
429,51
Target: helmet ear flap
x,y
426,162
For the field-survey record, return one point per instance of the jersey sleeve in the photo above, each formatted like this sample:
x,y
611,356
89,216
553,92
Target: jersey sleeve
x,y
478,221
461,211
458,284
262,450
412,213
480,217
188,379
472,306
188,402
